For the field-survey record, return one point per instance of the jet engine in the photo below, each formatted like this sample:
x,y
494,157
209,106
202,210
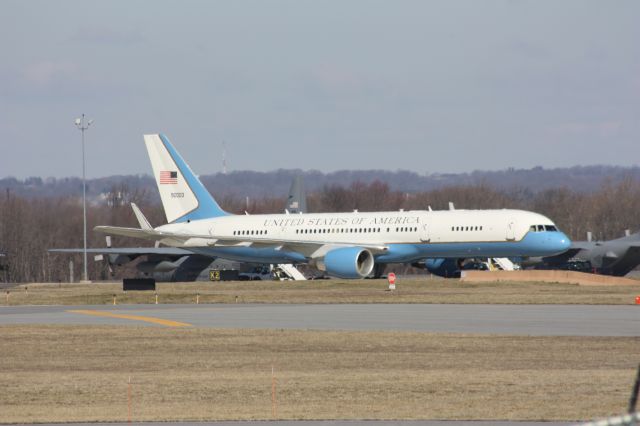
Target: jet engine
x,y
119,259
150,266
443,267
347,262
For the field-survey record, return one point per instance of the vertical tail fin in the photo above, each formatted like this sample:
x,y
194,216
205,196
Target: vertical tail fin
x,y
297,201
184,197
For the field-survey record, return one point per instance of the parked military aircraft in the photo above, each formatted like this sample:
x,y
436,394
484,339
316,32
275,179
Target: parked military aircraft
x,y
345,245
176,264
613,257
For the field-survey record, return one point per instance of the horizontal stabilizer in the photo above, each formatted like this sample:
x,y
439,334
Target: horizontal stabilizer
x,y
147,234
144,223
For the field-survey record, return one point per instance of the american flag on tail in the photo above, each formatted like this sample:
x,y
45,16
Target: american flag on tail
x,y
168,177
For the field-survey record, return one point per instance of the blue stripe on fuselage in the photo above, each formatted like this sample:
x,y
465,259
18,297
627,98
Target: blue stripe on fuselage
x,y
533,244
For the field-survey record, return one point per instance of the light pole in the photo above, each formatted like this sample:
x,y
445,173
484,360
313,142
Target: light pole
x,y
82,126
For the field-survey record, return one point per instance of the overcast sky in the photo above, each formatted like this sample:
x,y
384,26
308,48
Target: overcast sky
x,y
428,86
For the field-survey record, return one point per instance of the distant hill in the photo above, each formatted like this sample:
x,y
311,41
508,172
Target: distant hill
x,y
276,183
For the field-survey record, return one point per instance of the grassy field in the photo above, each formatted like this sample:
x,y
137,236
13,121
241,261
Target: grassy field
x,y
81,373
326,291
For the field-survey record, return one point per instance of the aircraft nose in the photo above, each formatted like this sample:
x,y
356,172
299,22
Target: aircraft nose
x,y
562,242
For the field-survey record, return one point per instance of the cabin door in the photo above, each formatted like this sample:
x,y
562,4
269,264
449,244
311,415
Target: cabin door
x,y
424,233
511,230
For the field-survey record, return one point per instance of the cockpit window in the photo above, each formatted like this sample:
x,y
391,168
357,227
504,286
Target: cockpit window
x,y
542,228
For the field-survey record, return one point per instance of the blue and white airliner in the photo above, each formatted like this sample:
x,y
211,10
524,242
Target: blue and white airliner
x,y
344,245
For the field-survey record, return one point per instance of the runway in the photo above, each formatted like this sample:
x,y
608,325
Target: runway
x,y
330,423
534,320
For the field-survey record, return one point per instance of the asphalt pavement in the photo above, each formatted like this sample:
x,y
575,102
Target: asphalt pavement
x,y
533,320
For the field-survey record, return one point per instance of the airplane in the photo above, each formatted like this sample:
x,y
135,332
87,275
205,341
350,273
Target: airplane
x,y
179,265
613,257
297,200
344,245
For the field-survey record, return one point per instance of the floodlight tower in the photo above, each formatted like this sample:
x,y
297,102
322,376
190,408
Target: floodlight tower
x,y
82,126
224,158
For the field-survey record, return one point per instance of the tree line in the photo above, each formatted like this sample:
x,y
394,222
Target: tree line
x,y
276,182
31,226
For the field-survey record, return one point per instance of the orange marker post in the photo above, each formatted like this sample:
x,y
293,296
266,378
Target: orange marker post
x,y
637,300
129,398
274,402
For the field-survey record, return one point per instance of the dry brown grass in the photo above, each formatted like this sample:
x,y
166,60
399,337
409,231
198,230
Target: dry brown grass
x,y
329,291
80,373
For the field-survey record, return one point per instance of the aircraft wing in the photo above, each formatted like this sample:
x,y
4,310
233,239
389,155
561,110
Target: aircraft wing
x,y
306,248
620,266
582,245
167,251
562,257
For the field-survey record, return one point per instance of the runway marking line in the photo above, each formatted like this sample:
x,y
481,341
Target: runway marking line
x,y
153,320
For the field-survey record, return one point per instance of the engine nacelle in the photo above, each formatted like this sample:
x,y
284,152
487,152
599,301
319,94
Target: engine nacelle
x,y
119,259
447,268
149,267
348,262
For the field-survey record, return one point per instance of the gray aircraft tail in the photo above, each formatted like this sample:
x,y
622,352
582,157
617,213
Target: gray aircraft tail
x,y
297,200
